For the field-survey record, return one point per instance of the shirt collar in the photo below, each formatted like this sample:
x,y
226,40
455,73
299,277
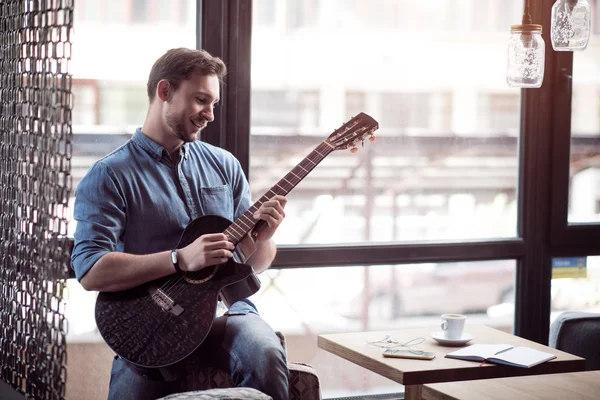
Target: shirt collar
x,y
154,149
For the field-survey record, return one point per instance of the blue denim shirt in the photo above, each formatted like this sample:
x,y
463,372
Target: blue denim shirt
x,y
135,200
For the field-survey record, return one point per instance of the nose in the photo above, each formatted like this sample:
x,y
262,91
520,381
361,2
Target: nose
x,y
208,114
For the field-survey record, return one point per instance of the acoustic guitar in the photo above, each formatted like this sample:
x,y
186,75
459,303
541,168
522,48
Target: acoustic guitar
x,y
162,322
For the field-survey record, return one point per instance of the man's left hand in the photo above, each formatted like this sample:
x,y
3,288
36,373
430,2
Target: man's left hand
x,y
272,213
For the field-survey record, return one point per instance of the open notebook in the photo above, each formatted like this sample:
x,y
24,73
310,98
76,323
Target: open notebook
x,y
502,354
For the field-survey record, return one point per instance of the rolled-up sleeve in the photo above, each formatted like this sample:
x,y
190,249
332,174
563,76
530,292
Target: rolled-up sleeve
x,y
100,214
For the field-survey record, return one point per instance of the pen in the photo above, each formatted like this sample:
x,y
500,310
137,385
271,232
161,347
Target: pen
x,y
502,351
496,353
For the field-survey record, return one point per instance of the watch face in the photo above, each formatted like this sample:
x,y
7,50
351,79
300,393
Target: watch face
x,y
174,256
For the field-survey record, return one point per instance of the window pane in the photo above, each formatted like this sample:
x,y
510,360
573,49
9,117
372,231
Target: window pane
x,y
379,298
110,67
444,165
577,293
584,195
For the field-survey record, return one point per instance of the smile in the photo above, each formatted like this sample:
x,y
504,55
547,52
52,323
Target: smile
x,y
199,126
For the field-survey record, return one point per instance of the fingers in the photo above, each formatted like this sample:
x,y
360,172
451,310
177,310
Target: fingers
x,y
278,202
219,256
214,241
272,210
216,247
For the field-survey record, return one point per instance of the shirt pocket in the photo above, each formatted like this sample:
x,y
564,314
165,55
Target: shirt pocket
x,y
217,200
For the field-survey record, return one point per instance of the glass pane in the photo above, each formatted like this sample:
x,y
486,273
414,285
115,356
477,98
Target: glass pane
x,y
578,290
444,165
379,298
584,187
110,66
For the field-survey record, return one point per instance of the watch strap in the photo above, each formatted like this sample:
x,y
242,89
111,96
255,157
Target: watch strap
x,y
175,261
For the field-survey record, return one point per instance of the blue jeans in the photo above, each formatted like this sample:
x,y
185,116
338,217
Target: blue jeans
x,y
240,343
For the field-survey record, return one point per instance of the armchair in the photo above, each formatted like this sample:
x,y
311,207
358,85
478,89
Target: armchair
x,y
304,382
578,333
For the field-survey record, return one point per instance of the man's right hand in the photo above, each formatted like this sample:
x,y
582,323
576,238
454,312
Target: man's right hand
x,y
207,250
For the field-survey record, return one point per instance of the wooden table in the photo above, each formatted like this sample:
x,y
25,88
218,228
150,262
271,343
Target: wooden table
x,y
413,374
573,385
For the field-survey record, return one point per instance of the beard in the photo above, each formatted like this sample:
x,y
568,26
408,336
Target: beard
x,y
183,127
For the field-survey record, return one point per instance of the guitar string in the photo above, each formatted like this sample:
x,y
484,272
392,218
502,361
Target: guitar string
x,y
174,287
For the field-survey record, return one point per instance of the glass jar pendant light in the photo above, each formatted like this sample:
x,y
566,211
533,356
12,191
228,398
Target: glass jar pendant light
x,y
571,25
526,54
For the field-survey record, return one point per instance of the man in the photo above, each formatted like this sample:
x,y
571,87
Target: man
x,y
133,205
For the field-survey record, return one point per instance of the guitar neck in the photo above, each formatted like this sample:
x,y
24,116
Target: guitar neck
x,y
246,222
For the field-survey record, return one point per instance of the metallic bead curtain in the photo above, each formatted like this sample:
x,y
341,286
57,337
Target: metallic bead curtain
x,y
35,186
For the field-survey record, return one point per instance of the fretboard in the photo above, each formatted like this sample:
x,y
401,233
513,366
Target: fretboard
x,y
246,222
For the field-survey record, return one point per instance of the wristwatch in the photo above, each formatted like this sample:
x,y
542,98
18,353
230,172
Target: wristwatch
x,y
175,262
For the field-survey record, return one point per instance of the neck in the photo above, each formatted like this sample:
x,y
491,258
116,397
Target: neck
x,y
155,128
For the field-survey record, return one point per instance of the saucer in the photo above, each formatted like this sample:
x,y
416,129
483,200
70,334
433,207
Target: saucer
x,y
439,337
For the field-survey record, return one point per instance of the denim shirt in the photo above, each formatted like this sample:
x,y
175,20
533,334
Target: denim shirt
x,y
136,201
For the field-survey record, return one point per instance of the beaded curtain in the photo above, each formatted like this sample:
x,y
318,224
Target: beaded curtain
x,y
35,186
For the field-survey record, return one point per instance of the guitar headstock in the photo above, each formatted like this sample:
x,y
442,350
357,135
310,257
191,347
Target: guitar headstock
x,y
356,130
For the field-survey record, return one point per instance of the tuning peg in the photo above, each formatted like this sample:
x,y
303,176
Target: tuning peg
x,y
353,150
372,138
363,144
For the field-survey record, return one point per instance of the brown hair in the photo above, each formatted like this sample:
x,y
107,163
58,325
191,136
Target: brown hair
x,y
177,65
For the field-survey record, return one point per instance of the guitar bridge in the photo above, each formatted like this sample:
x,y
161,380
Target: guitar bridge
x,y
165,302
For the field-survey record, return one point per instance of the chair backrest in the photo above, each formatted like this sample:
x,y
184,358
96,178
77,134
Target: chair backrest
x,y
578,333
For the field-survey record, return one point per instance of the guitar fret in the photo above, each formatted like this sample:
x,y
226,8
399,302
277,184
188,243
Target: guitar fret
x,y
235,228
294,175
248,225
287,181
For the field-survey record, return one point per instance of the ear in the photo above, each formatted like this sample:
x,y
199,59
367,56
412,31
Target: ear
x,y
163,90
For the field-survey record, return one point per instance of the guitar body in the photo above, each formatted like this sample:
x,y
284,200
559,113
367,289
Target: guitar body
x,y
162,322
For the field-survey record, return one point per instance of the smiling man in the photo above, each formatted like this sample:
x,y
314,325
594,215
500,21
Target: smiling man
x,y
133,205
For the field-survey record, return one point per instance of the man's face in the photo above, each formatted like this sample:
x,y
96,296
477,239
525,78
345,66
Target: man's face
x,y
190,107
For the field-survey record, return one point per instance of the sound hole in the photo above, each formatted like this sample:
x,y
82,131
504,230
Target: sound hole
x,y
200,276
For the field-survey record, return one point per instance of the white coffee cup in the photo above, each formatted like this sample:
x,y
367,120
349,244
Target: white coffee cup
x,y
453,326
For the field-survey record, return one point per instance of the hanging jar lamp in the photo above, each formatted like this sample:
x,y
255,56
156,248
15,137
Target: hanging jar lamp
x,y
571,25
526,53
